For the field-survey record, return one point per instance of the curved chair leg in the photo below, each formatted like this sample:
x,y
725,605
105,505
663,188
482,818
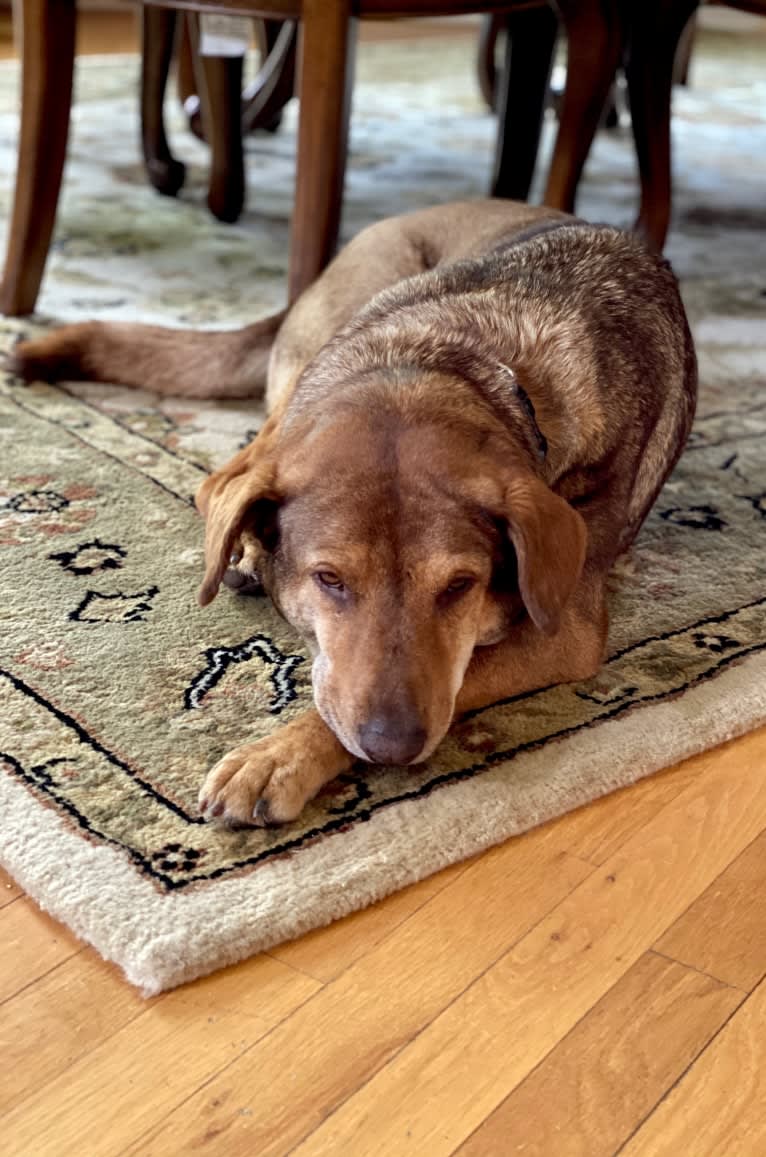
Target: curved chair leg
x,y
186,82
683,60
157,35
654,34
522,89
264,99
47,66
326,70
220,88
186,74
595,39
485,57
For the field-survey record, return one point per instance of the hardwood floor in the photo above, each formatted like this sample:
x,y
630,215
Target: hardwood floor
x,y
595,986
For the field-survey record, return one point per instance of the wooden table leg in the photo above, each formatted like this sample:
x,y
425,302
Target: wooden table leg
x,y
595,40
521,94
48,31
158,27
326,76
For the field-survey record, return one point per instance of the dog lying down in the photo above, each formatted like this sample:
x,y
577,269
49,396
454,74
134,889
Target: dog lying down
x,y
471,413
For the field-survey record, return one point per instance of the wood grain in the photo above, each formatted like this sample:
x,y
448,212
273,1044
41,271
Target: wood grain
x,y
328,952
281,1090
51,1024
9,889
718,1108
722,933
122,1087
598,830
439,1088
33,943
596,1087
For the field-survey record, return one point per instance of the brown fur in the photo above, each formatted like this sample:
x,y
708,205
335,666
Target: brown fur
x,y
472,412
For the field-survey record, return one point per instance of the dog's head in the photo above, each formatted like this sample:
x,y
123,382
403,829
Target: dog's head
x,y
396,547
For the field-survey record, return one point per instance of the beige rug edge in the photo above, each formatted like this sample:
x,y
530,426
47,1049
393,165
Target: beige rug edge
x,y
107,904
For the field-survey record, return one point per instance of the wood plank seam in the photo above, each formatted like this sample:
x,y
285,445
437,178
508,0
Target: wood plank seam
x,y
698,805
721,886
25,987
135,1142
275,953
457,996
296,967
141,1012
338,982
700,971
681,1076
721,985
404,1045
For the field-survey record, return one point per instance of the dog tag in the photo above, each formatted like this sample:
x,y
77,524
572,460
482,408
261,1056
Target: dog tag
x,y
224,35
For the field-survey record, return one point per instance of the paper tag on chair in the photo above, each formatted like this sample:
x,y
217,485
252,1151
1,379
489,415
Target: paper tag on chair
x,y
224,35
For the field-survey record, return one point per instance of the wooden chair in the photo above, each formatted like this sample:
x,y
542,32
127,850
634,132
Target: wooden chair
x,y
223,113
325,77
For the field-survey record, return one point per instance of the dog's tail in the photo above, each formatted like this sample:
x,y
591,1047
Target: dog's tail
x,y
190,364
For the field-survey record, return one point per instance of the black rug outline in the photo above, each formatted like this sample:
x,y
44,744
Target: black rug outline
x,y
219,659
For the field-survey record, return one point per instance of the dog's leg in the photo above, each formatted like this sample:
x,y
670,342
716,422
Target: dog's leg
x,y
189,364
269,782
528,659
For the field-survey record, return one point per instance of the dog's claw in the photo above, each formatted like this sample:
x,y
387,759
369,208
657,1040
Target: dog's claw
x,y
217,808
262,815
203,806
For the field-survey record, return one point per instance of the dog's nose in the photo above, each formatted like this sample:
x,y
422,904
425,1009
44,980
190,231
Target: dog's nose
x,y
392,740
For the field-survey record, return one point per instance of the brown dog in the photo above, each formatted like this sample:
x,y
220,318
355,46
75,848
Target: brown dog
x,y
471,413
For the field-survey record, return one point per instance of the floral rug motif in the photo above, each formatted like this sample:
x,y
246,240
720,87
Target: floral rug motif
x,y
117,691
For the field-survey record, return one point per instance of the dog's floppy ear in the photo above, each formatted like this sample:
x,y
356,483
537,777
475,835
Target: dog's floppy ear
x,y
550,539
225,499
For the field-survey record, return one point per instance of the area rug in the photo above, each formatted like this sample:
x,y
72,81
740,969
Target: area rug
x,y
117,691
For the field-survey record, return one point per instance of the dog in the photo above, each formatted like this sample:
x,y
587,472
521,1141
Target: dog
x,y
471,413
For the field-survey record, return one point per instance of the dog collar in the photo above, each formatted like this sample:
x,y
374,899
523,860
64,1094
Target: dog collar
x,y
525,402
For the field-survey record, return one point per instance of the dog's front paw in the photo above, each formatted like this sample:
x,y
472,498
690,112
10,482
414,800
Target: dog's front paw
x,y
268,783
242,574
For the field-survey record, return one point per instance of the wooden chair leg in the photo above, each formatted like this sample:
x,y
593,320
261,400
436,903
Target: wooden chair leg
x,y
219,81
273,87
683,60
521,95
595,40
186,81
158,27
491,26
653,38
328,36
47,66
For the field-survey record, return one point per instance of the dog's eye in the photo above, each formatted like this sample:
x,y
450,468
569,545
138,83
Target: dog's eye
x,y
459,586
329,580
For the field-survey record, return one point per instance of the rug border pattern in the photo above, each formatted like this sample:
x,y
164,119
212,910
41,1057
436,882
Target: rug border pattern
x,y
127,920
